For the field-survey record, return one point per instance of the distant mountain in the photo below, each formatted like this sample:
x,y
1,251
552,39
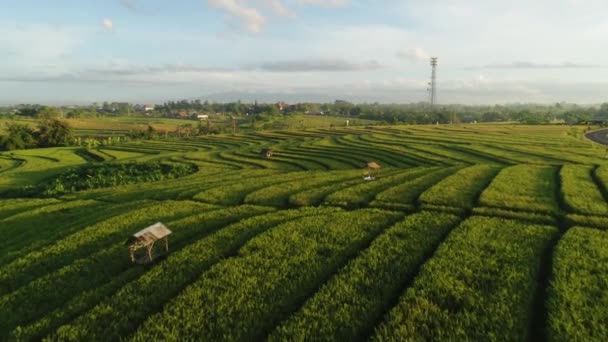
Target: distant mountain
x,y
269,97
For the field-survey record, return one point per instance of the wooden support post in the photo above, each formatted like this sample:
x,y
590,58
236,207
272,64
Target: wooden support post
x,y
150,251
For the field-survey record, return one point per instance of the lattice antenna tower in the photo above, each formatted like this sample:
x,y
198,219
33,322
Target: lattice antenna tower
x,y
433,84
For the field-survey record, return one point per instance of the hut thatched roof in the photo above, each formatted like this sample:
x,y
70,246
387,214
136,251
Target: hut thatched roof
x,y
373,166
153,233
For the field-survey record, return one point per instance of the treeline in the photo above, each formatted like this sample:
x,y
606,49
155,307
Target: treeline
x,y
415,113
49,133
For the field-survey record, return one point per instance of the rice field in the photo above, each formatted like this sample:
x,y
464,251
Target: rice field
x,y
469,232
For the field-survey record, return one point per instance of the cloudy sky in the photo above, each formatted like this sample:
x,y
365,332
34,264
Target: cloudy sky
x,y
490,51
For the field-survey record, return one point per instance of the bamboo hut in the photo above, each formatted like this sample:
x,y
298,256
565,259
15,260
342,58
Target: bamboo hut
x,y
145,240
371,171
266,152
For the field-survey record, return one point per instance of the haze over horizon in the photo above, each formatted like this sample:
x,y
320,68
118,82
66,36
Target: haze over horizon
x,y
72,52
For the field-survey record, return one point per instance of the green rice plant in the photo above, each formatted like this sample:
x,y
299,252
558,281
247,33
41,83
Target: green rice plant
x,y
361,194
378,153
47,293
90,240
461,189
181,188
14,206
566,156
241,298
577,303
523,187
443,209
514,214
531,155
79,304
347,306
445,152
331,160
38,164
404,195
301,162
518,157
315,196
335,153
278,194
7,163
479,285
120,154
231,194
581,194
405,153
144,296
24,235
254,159
599,222
601,175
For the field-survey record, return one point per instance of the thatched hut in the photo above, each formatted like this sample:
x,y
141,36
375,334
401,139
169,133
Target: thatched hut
x,y
371,171
266,152
145,240
373,166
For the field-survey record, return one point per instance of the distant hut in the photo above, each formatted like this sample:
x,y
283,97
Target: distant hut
x,y
373,166
145,240
266,152
371,171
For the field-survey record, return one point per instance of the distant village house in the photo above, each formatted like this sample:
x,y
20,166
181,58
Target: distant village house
x,y
282,105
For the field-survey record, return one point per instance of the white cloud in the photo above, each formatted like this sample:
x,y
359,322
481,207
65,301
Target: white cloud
x,y
318,65
107,24
325,3
414,54
279,8
35,45
532,65
250,17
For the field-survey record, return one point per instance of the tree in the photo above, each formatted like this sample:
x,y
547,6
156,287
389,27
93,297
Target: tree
x,y
272,110
151,133
54,133
19,137
603,111
47,113
75,114
491,117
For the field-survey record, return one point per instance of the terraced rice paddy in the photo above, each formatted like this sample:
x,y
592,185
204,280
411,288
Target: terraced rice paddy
x,y
473,232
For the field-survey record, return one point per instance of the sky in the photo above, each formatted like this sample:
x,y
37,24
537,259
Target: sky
x,y
151,51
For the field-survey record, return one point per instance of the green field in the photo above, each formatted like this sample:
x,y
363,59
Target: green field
x,y
469,232
119,125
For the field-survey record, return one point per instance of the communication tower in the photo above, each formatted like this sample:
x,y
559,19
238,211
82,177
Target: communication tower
x,y
433,84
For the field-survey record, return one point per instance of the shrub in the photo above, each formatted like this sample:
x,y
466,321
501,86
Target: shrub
x,y
108,175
